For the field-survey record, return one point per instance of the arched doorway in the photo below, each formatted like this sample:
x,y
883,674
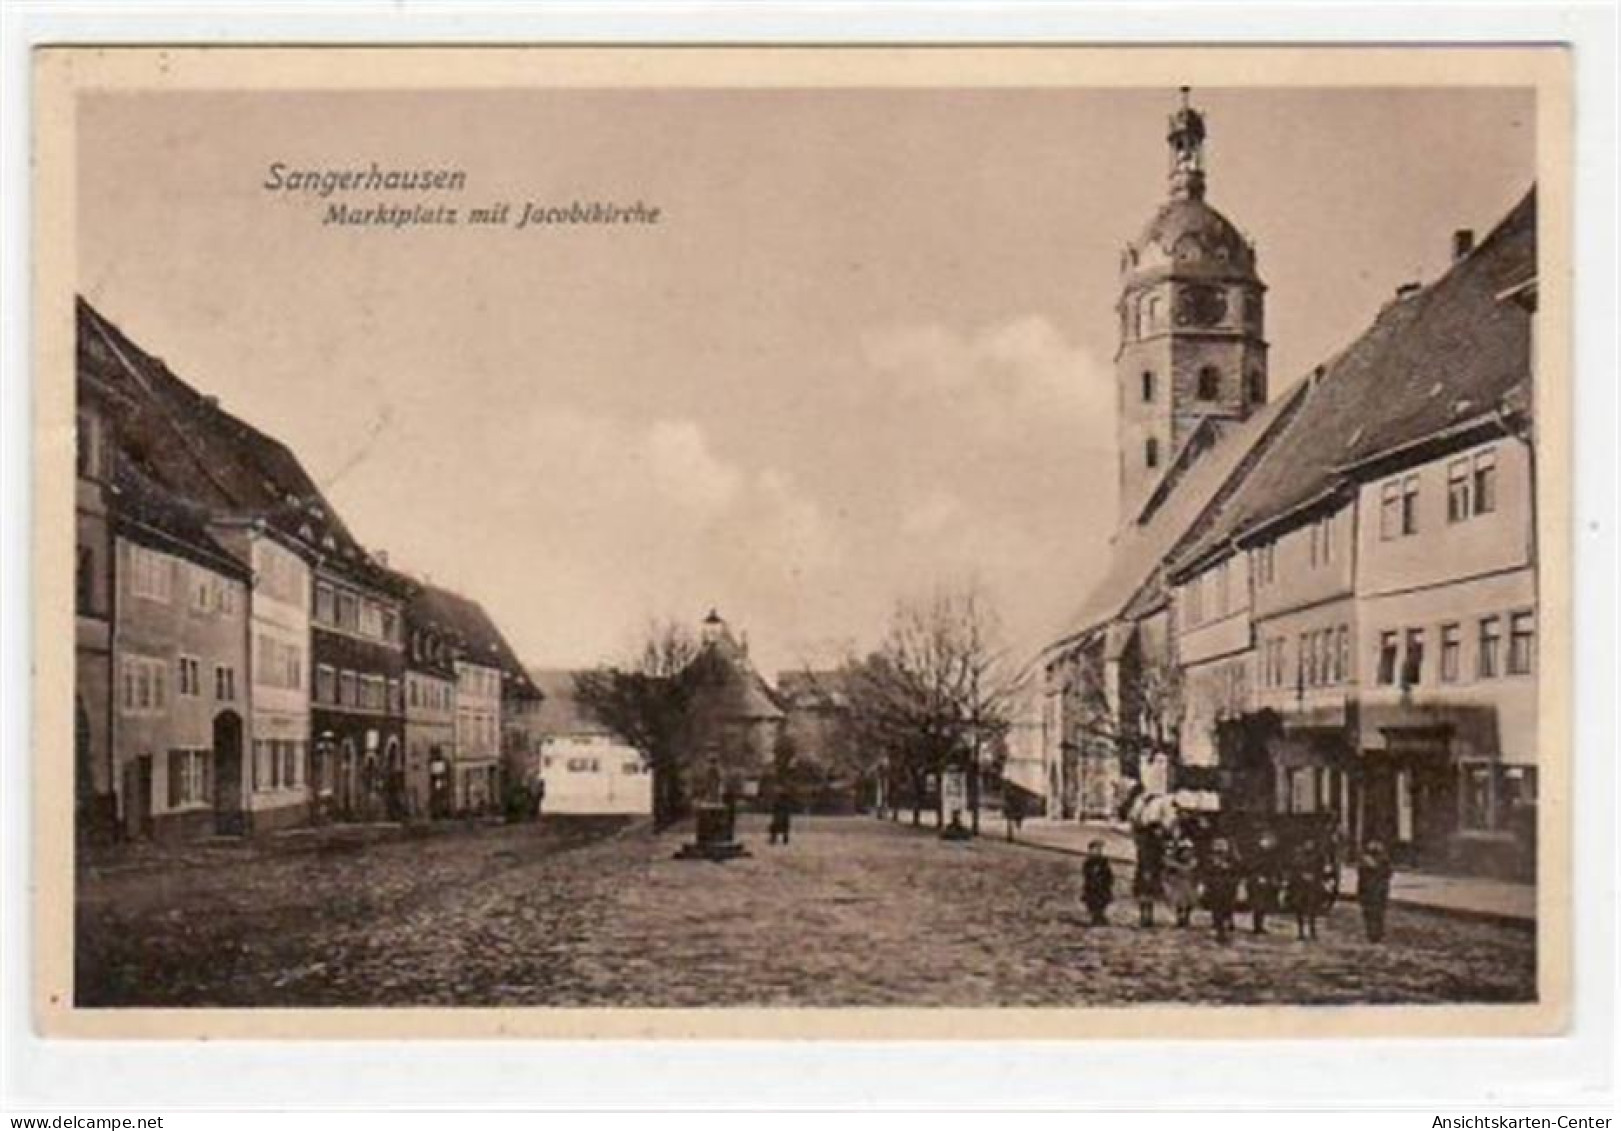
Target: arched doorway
x,y
348,771
228,812
394,780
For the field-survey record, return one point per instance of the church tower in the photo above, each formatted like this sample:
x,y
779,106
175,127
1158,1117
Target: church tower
x,y
1191,323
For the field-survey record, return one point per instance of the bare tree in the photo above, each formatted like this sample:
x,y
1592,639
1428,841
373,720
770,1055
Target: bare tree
x,y
648,702
938,694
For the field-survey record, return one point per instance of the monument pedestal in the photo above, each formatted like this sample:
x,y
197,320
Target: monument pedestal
x,y
716,839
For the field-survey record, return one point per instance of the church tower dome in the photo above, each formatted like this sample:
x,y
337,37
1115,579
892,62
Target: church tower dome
x,y
1192,322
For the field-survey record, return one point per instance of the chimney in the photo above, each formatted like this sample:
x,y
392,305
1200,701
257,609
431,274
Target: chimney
x,y
1407,290
1463,242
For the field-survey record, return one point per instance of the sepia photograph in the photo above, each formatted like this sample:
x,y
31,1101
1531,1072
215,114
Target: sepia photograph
x,y
628,535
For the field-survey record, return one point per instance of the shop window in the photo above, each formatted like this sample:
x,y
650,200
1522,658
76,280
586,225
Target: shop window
x,y
1475,796
1521,642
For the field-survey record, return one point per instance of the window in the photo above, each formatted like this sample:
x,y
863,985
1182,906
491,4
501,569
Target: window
x,y
326,603
1209,383
583,765
1344,638
1195,600
145,683
348,611
1409,505
346,689
1485,465
1306,667
1390,510
151,574
1148,387
1521,642
224,682
289,763
1224,589
1413,665
326,684
1388,649
191,678
259,766
391,626
1458,479
371,620
188,778
632,768
1451,651
202,591
1151,452
1488,662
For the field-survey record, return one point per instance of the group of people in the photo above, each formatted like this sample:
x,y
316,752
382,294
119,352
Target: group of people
x,y
1301,883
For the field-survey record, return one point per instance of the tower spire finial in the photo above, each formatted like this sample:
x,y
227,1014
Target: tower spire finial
x,y
1186,138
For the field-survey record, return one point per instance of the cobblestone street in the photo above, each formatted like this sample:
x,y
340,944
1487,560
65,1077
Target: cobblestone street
x,y
855,912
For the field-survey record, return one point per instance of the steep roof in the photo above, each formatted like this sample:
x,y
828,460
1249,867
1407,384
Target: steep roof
x,y
1141,549
464,621
148,512
190,444
1432,361
802,687
561,711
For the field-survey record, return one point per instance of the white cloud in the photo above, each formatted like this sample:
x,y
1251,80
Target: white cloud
x,y
1016,374
686,471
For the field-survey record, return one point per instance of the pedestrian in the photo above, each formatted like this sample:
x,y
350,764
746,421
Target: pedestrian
x,y
1373,888
1097,883
1182,879
1263,884
782,818
1221,888
1013,810
1147,882
1304,891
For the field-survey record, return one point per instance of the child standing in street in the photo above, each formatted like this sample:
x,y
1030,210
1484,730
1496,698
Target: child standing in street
x,y
1373,888
1221,888
1097,883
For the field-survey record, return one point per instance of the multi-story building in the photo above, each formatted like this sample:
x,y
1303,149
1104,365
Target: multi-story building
x,y
180,661
1394,584
430,716
487,674
257,504
95,774
357,711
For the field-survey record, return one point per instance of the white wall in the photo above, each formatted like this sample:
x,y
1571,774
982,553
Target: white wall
x,y
591,774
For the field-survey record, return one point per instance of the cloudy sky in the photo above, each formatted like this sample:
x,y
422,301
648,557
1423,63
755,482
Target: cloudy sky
x,y
867,350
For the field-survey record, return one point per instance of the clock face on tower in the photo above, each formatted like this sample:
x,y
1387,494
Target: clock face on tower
x,y
1200,306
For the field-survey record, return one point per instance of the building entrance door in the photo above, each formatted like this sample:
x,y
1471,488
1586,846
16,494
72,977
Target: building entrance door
x,y
228,816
